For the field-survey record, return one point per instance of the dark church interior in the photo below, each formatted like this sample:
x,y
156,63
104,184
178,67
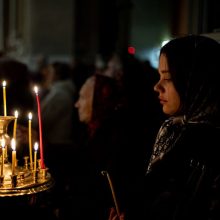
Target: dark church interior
x,y
43,42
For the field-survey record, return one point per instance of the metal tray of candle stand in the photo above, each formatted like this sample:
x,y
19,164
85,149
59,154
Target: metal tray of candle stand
x,y
26,182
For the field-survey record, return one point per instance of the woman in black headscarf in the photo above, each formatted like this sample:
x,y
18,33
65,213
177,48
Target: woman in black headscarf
x,y
183,172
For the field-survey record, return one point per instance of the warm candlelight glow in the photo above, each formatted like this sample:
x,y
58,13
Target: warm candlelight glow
x,y
30,116
40,127
35,146
16,114
30,139
4,97
13,146
35,155
17,177
3,142
15,124
36,90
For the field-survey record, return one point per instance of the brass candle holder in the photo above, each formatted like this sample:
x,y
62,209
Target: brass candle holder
x,y
20,180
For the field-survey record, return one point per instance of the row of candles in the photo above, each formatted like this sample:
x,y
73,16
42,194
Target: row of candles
x,y
14,159
29,126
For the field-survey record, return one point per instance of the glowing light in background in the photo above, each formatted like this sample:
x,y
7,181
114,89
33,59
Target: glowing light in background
x,y
164,42
152,54
131,50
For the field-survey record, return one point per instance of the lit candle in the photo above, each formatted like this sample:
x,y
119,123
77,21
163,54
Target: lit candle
x,y
13,146
30,139
15,124
40,127
4,97
3,153
35,156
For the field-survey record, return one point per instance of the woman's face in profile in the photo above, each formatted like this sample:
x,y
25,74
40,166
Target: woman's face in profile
x,y
168,96
84,103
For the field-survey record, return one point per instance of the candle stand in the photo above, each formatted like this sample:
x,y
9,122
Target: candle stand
x,y
24,180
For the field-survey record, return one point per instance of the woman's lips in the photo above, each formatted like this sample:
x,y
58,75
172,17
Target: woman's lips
x,y
162,101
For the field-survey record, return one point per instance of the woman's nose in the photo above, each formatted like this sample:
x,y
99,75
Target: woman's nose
x,y
158,87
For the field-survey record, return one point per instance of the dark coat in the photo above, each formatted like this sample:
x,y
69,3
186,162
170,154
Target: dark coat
x,y
183,184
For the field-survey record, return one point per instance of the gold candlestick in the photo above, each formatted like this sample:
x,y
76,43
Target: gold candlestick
x,y
3,161
13,180
1,181
26,162
3,156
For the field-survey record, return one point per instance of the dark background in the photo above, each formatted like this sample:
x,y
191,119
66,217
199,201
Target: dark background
x,y
81,29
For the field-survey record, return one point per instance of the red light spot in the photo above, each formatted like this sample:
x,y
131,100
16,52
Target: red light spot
x,y
131,50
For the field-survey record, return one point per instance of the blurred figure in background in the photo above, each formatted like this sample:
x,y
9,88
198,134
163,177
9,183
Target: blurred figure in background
x,y
101,146
136,84
112,105
39,76
57,106
58,125
17,76
19,97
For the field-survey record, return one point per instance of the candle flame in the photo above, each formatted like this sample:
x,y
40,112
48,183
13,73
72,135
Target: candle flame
x,y
13,144
16,114
3,142
4,83
36,146
36,90
30,116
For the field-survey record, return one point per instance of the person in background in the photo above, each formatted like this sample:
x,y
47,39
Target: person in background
x,y
100,148
39,76
57,105
57,127
183,174
115,138
135,81
19,97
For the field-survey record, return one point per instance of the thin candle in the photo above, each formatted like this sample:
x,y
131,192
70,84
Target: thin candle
x,y
112,190
4,97
30,139
35,156
15,124
3,158
13,146
40,127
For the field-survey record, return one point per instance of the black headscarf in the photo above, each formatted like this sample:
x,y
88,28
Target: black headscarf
x,y
193,63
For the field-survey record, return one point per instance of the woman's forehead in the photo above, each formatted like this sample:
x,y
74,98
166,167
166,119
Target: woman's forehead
x,y
163,65
88,86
